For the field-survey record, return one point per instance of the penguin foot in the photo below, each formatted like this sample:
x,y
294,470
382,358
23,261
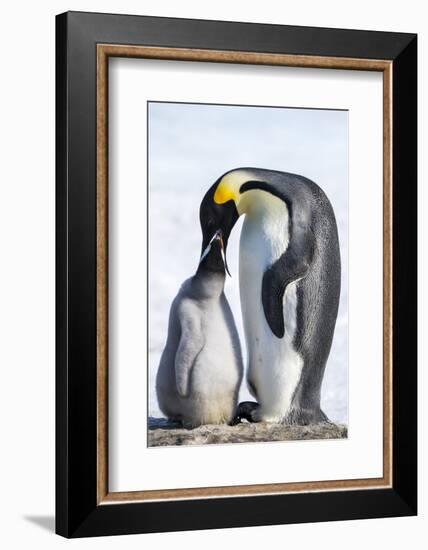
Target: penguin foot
x,y
304,417
245,411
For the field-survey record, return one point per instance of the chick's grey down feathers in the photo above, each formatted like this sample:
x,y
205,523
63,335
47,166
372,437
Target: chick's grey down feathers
x,y
200,370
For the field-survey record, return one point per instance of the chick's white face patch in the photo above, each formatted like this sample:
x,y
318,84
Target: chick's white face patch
x,y
205,252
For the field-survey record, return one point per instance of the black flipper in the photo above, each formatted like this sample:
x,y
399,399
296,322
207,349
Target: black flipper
x,y
292,265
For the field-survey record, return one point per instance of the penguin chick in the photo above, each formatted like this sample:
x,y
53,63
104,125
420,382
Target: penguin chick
x,y
201,367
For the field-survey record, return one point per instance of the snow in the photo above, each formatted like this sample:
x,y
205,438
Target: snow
x,y
190,146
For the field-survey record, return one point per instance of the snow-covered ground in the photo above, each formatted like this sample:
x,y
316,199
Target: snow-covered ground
x,y
190,146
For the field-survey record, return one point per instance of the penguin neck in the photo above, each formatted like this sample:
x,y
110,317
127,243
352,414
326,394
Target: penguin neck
x,y
264,236
264,210
208,284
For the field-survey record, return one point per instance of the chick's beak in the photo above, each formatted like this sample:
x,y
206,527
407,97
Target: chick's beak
x,y
218,236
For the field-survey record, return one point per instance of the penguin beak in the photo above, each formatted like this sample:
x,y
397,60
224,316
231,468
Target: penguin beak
x,y
223,216
218,236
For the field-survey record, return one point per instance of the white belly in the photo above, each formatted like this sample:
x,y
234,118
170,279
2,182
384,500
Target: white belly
x,y
217,369
216,374
274,367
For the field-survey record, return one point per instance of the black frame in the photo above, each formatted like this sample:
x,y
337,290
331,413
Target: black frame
x,y
77,513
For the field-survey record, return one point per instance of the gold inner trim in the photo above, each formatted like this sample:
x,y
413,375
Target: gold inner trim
x,y
104,51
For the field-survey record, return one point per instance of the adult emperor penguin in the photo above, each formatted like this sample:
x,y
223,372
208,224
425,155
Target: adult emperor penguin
x,y
201,368
289,275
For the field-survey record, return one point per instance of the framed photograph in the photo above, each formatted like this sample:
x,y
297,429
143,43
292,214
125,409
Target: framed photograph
x,y
236,274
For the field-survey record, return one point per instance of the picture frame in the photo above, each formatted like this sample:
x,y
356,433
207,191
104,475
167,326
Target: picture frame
x,y
84,44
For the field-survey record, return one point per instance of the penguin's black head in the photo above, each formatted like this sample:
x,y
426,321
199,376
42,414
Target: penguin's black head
x,y
213,258
216,217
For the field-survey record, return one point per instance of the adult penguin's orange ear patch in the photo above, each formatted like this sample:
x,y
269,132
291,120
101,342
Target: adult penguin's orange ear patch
x,y
224,193
229,185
